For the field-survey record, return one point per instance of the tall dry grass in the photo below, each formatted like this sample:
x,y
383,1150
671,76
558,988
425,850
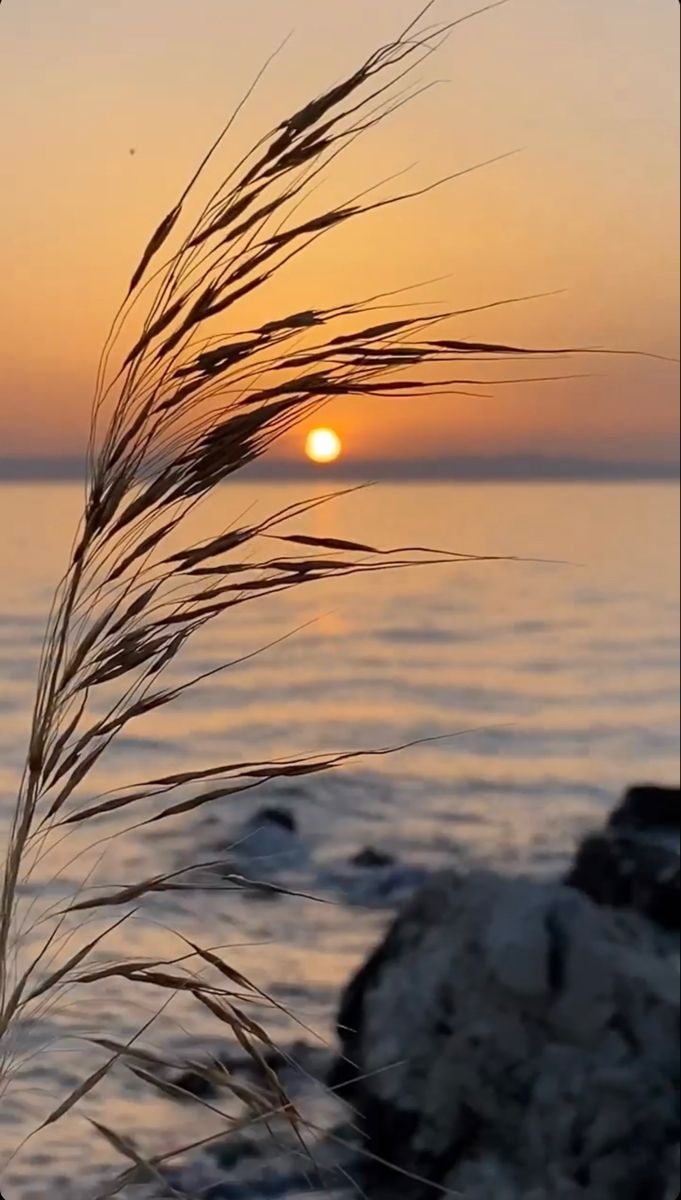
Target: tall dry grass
x,y
187,394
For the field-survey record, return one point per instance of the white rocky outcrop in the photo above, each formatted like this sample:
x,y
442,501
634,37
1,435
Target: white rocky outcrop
x,y
517,1042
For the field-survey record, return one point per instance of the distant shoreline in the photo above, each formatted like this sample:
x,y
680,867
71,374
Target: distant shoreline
x,y
525,469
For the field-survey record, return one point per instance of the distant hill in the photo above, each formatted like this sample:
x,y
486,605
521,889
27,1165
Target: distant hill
x,y
512,467
47,470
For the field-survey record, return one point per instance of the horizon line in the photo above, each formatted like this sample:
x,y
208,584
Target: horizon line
x,y
501,468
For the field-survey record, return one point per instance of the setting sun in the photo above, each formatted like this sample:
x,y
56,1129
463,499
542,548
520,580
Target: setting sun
x,y
323,445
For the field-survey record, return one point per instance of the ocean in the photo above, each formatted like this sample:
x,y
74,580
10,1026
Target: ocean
x,y
545,685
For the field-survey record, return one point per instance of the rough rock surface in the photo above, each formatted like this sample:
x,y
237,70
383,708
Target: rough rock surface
x,y
647,806
516,1042
634,862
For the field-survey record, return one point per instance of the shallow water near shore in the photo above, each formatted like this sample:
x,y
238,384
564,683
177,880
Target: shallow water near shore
x,y
558,680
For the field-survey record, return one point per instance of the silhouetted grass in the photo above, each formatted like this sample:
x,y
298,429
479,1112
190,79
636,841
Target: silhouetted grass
x,y
193,396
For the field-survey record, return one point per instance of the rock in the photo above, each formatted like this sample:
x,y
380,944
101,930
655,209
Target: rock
x,y
205,1079
277,1157
649,807
275,816
369,857
624,872
200,1082
265,845
380,881
513,1040
634,862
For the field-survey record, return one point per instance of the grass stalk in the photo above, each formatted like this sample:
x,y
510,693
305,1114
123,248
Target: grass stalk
x,y
187,394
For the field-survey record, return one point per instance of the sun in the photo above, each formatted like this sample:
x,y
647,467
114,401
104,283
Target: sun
x,y
323,445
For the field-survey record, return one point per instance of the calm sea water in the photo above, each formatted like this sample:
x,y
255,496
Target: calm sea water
x,y
565,676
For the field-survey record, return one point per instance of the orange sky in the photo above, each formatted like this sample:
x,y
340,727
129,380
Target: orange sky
x,y
588,89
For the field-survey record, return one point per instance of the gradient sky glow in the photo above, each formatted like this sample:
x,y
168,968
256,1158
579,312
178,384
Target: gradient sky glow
x,y
587,88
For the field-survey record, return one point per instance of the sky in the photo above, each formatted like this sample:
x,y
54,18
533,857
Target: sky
x,y
586,90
